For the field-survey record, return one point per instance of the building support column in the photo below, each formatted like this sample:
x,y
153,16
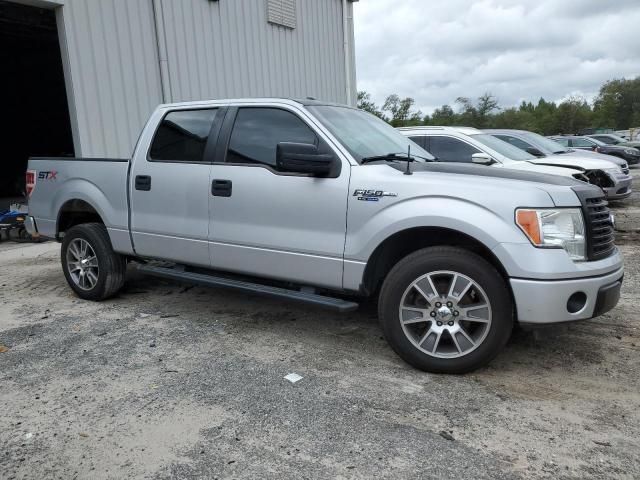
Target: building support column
x,y
161,42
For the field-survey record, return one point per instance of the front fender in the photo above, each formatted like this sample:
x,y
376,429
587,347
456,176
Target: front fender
x,y
452,213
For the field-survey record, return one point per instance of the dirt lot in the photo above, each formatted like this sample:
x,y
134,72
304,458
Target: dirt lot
x,y
168,381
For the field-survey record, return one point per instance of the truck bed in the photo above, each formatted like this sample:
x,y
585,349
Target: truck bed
x,y
64,183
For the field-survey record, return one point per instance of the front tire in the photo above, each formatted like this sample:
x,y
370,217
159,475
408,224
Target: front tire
x,y
92,269
445,310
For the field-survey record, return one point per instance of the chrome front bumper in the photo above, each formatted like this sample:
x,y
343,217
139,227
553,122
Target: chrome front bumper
x,y
553,301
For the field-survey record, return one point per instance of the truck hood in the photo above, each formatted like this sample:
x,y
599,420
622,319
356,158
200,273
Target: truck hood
x,y
533,173
513,183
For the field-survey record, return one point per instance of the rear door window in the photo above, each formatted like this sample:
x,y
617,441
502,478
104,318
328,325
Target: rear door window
x,y
182,136
449,149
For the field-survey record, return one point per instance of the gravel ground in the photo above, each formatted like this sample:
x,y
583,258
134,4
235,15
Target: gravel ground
x,y
169,381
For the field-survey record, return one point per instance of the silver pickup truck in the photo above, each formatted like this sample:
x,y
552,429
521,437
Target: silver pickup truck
x,y
325,204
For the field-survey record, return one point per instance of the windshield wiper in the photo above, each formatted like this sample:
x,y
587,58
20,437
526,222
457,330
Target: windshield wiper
x,y
393,157
389,157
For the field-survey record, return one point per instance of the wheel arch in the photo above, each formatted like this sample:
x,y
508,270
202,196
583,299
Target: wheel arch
x,y
75,212
404,242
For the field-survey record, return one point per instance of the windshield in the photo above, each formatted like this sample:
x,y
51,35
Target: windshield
x,y
363,134
544,144
610,138
593,140
502,147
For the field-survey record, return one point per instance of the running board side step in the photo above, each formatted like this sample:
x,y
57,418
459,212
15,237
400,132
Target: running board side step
x,y
332,303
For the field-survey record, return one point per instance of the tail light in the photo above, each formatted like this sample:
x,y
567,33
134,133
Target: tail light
x,y
31,181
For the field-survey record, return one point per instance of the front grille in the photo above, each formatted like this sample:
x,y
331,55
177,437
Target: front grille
x,y
625,169
600,233
598,225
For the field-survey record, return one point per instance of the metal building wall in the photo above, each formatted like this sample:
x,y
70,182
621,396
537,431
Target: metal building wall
x,y
114,52
227,49
111,70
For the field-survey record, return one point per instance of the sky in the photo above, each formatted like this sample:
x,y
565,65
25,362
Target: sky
x,y
437,50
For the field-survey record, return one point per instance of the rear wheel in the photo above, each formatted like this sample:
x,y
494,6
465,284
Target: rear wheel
x,y
92,269
445,310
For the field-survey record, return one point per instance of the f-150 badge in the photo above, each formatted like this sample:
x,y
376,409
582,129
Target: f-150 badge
x,y
371,195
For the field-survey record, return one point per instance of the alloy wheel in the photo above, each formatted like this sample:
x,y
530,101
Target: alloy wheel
x,y
82,264
445,314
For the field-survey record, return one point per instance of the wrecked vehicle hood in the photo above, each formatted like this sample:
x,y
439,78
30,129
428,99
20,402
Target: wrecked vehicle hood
x,y
577,162
531,166
585,154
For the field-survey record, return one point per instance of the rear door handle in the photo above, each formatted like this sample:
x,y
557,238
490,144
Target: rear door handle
x,y
221,188
143,182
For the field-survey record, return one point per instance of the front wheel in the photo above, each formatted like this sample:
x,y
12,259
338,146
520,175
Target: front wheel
x,y
445,310
92,269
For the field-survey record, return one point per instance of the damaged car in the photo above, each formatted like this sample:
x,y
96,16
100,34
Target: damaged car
x,y
554,151
470,145
553,147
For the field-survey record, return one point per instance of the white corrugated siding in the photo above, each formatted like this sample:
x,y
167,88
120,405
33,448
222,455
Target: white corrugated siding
x,y
113,72
245,56
223,49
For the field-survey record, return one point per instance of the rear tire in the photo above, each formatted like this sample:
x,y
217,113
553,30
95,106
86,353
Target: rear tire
x,y
92,269
458,328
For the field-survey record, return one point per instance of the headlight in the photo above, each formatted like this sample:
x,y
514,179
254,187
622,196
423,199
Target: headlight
x,y
613,171
631,151
554,228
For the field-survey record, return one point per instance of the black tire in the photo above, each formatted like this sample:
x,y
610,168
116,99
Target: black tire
x,y
111,266
434,259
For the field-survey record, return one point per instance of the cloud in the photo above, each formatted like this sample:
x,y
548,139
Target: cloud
x,y
437,51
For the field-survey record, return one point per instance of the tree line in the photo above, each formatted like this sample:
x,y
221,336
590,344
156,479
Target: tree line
x,y
616,106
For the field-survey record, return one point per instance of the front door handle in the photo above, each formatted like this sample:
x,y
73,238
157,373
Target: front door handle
x,y
143,182
221,188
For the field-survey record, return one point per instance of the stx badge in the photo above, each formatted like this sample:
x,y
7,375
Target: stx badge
x,y
48,175
371,195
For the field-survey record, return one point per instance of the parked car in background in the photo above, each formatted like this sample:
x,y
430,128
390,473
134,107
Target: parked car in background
x,y
631,155
304,200
470,145
613,139
540,146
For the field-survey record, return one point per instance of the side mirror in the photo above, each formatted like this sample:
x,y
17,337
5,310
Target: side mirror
x,y
303,158
482,159
535,152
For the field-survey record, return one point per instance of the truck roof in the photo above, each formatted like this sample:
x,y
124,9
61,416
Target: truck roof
x,y
465,130
505,130
287,101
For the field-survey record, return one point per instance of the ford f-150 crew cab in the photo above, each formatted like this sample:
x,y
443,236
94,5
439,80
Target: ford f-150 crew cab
x,y
323,203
